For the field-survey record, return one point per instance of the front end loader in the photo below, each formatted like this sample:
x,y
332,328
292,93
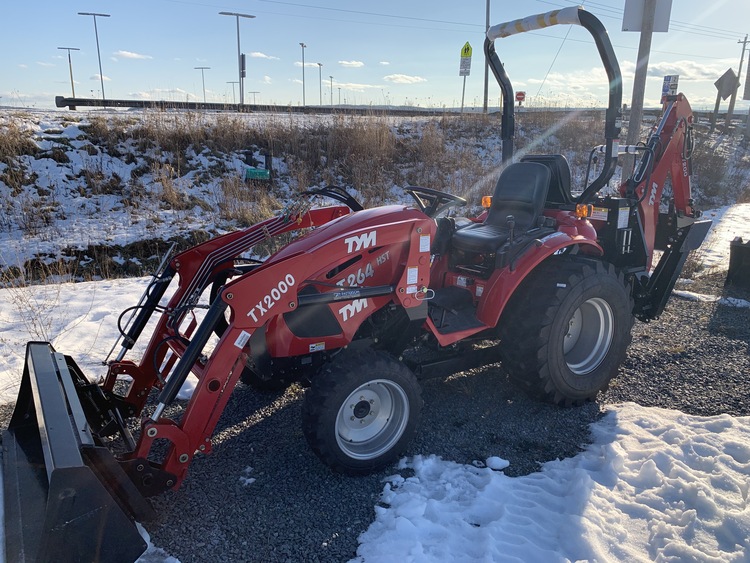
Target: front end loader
x,y
359,306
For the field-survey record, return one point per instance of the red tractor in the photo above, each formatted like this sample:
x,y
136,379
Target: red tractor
x,y
360,305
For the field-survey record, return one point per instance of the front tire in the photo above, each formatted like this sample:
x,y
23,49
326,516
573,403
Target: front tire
x,y
567,328
361,411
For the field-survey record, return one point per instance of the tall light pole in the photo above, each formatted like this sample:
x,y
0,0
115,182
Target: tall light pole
x,y
98,53
233,82
70,66
486,61
331,77
239,53
253,93
203,79
320,81
339,96
303,72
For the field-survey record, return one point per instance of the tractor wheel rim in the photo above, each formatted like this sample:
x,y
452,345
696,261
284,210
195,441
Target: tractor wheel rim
x,y
589,337
372,419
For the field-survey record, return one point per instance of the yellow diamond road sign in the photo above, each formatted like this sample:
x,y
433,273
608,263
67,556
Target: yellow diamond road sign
x,y
465,68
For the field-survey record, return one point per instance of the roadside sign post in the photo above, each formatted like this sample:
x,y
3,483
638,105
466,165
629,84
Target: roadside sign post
x,y
520,98
465,69
669,86
725,85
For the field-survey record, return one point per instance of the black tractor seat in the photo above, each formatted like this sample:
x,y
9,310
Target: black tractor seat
x,y
516,205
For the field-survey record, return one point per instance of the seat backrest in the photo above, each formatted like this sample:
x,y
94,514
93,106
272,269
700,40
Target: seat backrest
x,y
559,185
520,191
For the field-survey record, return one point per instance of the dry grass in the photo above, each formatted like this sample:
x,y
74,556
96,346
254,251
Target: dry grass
x,y
190,160
245,203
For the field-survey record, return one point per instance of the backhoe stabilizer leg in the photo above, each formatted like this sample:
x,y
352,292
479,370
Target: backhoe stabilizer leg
x,y
653,295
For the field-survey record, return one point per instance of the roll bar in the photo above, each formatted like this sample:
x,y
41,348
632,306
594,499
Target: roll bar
x,y
572,16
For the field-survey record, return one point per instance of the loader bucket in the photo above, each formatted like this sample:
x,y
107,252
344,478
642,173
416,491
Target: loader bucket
x,y
66,498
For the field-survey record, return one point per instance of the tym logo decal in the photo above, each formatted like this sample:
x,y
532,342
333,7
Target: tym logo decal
x,y
360,242
348,311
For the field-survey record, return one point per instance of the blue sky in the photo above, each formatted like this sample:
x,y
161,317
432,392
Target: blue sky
x,y
377,52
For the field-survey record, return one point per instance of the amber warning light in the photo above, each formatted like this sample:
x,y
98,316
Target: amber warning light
x,y
487,201
584,210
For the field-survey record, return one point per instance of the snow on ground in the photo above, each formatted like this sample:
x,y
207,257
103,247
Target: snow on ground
x,y
654,485
729,222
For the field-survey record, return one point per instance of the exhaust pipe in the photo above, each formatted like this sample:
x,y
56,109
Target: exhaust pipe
x,y
66,497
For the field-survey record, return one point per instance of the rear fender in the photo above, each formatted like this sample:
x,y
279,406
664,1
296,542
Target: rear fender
x,y
504,282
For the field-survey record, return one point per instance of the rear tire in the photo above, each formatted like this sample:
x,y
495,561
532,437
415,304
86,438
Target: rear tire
x,y
567,328
361,411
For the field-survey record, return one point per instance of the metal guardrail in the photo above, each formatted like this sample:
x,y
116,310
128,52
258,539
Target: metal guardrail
x,y
62,101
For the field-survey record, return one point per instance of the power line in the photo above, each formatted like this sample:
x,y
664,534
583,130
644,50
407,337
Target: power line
x,y
554,59
298,5
685,27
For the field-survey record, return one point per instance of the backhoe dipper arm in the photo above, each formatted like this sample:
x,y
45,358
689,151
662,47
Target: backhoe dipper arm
x,y
572,16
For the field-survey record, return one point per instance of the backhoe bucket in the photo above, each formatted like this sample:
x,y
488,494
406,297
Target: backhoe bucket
x,y
66,498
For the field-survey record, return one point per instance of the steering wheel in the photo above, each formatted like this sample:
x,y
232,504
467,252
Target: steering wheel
x,y
433,202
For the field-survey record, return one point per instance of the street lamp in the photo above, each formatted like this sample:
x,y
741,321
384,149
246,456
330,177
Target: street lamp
x,y
70,66
203,79
98,54
320,81
233,82
239,54
303,72
253,93
339,96
331,77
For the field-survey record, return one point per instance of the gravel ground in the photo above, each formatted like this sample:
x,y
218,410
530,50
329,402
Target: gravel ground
x,y
695,359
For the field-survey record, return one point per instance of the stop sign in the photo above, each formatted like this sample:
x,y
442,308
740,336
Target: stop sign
x,y
520,96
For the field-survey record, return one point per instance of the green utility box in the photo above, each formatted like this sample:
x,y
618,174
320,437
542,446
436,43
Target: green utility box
x,y
257,174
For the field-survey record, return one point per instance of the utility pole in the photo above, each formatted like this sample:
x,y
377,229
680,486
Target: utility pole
x,y
98,53
253,93
331,77
320,81
240,60
733,99
303,72
70,66
203,79
339,96
486,62
233,82
639,82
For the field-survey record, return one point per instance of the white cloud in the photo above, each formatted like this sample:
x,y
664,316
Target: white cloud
x,y
131,55
404,79
259,55
40,63
96,77
23,66
267,79
355,87
384,63
352,64
299,63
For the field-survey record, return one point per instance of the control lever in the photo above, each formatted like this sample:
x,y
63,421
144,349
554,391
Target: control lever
x,y
511,222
